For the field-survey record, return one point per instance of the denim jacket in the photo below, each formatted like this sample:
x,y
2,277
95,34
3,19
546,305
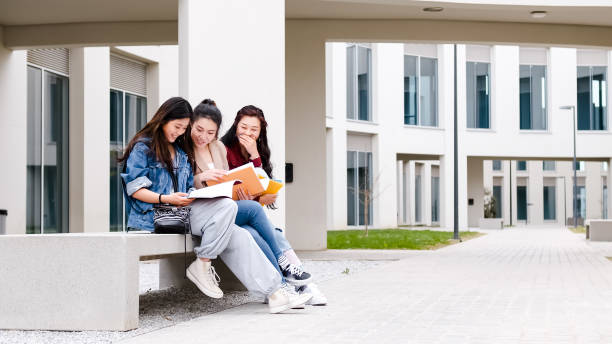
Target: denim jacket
x,y
144,171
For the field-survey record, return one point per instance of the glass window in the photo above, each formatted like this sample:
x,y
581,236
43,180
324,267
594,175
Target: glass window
x,y
435,199
604,202
579,165
477,92
521,203
548,165
429,92
497,195
128,114
549,203
359,186
532,88
47,157
420,91
521,165
581,204
410,90
604,166
359,82
592,98
497,165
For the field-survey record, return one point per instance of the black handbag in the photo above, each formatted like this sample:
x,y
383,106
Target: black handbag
x,y
167,218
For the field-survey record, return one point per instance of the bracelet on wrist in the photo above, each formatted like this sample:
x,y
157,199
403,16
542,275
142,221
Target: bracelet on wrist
x,y
160,200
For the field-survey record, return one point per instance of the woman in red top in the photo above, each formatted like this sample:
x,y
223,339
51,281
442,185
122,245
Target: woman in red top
x,y
247,141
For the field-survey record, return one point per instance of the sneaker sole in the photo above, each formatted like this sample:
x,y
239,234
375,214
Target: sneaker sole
x,y
206,292
299,301
298,283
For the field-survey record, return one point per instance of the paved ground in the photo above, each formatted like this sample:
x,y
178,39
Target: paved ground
x,y
519,285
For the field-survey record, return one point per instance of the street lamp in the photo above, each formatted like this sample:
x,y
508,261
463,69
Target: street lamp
x,y
575,201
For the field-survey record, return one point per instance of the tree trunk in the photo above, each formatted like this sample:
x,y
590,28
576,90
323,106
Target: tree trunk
x,y
365,212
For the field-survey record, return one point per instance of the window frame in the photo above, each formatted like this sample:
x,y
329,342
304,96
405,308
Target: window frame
x,y
355,86
419,92
43,142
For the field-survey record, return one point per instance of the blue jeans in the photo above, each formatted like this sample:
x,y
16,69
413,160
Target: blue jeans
x,y
252,217
263,245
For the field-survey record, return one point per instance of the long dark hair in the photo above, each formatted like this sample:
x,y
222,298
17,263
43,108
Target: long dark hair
x,y
171,109
206,109
230,139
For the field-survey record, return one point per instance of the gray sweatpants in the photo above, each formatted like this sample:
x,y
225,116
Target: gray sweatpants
x,y
213,220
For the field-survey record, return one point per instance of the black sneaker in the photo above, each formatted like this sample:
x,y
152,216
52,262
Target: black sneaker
x,y
295,275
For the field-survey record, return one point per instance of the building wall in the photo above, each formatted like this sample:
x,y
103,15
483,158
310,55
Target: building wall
x,y
504,140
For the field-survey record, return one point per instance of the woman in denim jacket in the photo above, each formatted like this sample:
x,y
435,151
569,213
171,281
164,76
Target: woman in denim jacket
x,y
152,156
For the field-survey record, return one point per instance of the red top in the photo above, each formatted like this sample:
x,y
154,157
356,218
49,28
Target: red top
x,y
235,158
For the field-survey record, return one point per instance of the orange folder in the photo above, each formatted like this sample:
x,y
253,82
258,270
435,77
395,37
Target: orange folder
x,y
247,177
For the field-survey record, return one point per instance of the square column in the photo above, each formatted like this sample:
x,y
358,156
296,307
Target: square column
x,y
338,182
535,193
13,136
234,53
410,193
475,191
305,143
400,192
426,187
89,139
609,183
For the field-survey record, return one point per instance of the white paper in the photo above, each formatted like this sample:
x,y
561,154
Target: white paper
x,y
219,190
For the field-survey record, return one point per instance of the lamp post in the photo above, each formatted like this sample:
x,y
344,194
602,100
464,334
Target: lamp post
x,y
575,201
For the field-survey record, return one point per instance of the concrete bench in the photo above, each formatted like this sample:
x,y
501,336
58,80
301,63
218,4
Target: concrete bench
x,y
491,223
599,230
85,281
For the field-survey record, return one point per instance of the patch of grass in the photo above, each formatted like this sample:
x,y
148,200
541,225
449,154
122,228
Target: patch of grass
x,y
393,239
578,230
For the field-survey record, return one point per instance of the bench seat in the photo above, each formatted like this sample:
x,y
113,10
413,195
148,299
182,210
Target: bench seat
x,y
85,281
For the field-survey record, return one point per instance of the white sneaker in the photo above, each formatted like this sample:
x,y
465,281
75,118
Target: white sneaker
x,y
204,276
318,299
286,297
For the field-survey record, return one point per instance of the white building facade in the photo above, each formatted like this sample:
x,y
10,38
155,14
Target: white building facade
x,y
61,109
389,131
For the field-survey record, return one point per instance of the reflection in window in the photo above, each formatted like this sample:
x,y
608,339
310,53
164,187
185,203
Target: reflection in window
x,y
435,199
359,184
128,114
549,203
359,82
47,152
532,88
477,92
420,91
497,165
410,90
521,165
548,165
592,98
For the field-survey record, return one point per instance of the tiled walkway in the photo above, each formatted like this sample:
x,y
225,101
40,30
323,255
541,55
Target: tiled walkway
x,y
526,285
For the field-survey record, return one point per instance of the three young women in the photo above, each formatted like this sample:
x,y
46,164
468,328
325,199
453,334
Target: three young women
x,y
154,158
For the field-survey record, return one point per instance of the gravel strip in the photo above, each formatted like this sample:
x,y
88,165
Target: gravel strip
x,y
162,308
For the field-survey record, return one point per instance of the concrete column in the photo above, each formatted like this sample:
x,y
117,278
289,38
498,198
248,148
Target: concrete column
x,y
475,191
305,144
411,208
593,186
426,187
535,193
609,184
336,112
89,139
400,192
387,87
512,191
406,193
252,43
168,73
338,206
506,192
13,136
